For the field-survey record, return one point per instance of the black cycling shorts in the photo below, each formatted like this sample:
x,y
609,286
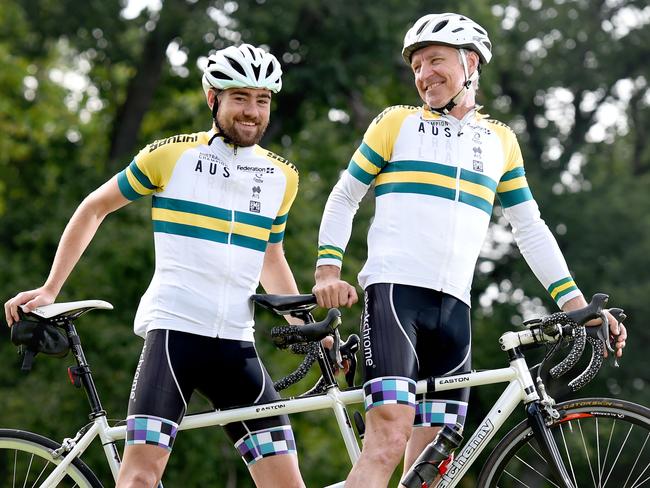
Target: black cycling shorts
x,y
228,373
410,333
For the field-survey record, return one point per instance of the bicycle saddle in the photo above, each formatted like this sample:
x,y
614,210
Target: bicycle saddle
x,y
69,310
286,304
37,331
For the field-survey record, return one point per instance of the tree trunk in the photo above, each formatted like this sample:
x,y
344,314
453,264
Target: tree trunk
x,y
143,85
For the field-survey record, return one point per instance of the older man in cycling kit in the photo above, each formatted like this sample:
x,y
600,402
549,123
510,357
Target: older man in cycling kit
x,y
220,205
436,171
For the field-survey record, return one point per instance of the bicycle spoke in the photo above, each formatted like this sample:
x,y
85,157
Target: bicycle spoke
x,y
532,448
609,443
636,461
516,479
535,470
39,475
618,455
643,482
600,479
584,444
13,483
29,468
566,449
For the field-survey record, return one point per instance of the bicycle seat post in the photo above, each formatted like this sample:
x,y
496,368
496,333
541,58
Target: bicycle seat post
x,y
82,371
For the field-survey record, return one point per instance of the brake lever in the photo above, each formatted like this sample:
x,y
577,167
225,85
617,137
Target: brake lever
x,y
602,332
334,352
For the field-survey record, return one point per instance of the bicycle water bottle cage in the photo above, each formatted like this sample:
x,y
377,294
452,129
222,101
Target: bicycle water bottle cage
x,y
33,337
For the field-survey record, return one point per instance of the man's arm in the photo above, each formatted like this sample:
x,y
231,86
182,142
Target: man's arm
x,y
75,238
276,277
334,234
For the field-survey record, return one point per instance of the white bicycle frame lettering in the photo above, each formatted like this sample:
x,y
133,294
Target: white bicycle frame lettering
x,y
520,388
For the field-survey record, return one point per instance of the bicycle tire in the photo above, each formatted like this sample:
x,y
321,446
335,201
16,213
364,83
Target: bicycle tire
x,y
603,442
26,460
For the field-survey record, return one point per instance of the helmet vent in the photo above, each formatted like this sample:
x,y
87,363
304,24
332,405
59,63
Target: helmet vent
x,y
480,31
457,30
238,67
422,28
256,71
220,75
440,26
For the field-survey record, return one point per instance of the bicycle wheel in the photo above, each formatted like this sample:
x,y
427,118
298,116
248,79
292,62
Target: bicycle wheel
x,y
603,442
26,461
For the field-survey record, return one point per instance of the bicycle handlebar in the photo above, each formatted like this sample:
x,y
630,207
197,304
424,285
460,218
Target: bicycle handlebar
x,y
572,324
285,335
347,351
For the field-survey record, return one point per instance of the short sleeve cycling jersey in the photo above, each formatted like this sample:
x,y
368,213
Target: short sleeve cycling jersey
x,y
435,181
214,208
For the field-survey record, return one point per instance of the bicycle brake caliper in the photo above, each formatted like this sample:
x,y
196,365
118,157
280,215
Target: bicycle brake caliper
x,y
548,404
67,445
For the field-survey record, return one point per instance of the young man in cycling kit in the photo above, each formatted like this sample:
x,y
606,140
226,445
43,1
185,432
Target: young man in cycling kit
x,y
436,171
219,207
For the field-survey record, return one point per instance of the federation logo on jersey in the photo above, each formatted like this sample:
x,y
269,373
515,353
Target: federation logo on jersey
x,y
255,169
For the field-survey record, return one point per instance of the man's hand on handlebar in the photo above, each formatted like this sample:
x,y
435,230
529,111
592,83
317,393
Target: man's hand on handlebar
x,y
618,332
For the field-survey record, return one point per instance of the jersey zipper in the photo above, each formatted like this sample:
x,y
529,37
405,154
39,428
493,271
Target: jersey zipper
x,y
454,209
225,294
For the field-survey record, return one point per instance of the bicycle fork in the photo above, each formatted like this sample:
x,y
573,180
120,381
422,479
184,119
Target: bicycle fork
x,y
548,445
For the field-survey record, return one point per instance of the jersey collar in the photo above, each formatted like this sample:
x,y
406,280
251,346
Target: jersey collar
x,y
428,114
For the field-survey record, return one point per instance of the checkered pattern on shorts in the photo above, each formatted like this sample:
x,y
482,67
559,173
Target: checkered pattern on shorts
x,y
269,442
434,413
389,390
142,429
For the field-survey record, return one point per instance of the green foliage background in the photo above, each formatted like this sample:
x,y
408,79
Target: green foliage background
x,y
570,76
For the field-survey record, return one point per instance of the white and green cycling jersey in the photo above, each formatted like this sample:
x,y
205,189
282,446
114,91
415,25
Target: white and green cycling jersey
x,y
435,181
215,207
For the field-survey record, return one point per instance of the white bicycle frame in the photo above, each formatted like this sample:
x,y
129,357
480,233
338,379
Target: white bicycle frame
x,y
520,388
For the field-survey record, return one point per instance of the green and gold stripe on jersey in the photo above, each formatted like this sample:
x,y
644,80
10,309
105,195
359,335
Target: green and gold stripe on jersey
x,y
200,221
513,188
134,183
562,287
438,180
332,252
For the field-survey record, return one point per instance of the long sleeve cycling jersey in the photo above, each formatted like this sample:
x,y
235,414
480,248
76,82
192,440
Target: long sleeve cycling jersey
x,y
215,207
435,179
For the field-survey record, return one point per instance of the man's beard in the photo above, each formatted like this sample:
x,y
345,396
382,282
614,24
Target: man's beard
x,y
238,138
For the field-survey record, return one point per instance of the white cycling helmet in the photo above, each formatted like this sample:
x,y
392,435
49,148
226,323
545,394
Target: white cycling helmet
x,y
449,30
242,66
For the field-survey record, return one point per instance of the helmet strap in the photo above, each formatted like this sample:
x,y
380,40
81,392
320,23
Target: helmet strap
x,y
469,79
219,132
